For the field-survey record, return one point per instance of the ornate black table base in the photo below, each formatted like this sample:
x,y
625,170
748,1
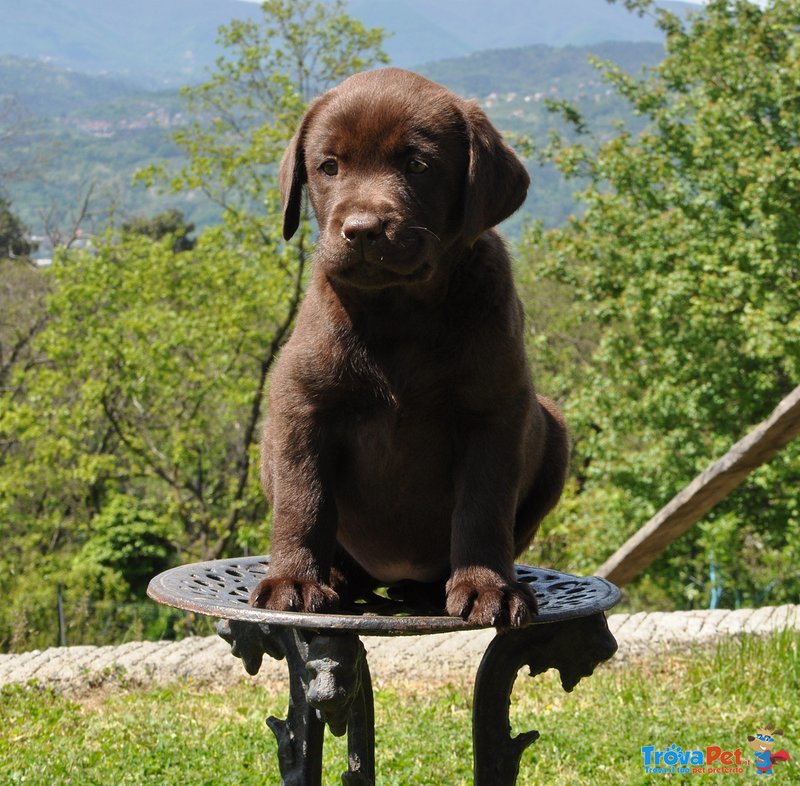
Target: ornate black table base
x,y
573,647
329,679
329,682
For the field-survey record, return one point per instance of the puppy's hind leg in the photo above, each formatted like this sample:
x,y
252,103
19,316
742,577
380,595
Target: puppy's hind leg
x,y
550,477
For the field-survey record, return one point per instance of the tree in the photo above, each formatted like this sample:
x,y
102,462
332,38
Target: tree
x,y
687,259
22,291
171,222
141,425
64,224
13,240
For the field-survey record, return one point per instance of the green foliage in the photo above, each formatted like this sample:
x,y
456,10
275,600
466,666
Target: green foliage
x,y
13,241
150,393
132,543
686,259
22,292
170,222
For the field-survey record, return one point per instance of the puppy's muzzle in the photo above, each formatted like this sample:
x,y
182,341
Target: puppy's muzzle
x,y
376,256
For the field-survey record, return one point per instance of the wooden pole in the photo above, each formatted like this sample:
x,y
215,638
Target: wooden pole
x,y
62,627
705,491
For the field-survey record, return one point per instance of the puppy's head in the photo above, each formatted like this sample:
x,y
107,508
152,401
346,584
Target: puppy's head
x,y
399,172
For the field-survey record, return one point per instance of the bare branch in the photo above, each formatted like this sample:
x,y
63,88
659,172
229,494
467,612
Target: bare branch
x,y
156,467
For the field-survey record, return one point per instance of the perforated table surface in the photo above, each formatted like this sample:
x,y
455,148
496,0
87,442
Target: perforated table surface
x,y
221,589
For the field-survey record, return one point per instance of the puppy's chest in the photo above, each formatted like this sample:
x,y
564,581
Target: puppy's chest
x,y
400,410
384,433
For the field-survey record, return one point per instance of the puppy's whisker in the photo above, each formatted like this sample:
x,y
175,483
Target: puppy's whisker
x,y
429,231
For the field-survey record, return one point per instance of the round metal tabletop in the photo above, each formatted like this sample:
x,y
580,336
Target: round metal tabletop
x,y
221,589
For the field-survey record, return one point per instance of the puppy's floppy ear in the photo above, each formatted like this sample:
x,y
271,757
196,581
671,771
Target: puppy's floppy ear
x,y
291,178
292,174
497,182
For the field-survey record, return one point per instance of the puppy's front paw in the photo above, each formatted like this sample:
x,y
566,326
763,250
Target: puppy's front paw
x,y
286,594
482,596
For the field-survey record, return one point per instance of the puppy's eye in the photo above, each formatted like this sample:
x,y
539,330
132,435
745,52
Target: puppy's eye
x,y
416,167
330,167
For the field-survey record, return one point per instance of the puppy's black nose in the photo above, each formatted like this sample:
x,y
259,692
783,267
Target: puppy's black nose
x,y
362,227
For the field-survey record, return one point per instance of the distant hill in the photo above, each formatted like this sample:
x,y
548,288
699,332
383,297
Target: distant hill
x,y
532,69
171,42
429,30
47,90
155,40
81,129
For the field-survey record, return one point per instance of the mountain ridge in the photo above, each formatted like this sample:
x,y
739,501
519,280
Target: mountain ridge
x,y
171,42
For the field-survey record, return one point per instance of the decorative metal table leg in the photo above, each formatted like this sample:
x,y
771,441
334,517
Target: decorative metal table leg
x,y
339,686
574,647
329,682
361,732
301,736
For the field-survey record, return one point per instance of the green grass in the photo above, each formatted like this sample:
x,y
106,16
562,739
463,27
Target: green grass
x,y
192,736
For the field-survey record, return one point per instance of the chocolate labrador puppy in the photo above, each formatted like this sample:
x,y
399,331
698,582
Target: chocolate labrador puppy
x,y
404,439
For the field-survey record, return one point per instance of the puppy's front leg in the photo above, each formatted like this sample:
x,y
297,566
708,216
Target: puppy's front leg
x,y
482,588
303,519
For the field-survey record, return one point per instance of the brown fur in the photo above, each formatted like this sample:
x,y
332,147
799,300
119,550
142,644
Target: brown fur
x,y
404,439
